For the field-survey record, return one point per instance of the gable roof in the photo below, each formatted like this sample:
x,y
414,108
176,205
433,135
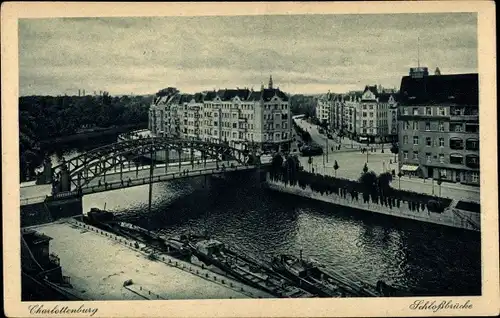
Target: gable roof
x,y
372,89
460,89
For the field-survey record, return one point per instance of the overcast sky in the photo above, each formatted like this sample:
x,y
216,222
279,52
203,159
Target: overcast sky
x,y
304,53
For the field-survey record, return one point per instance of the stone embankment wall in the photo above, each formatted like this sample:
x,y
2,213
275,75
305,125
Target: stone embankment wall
x,y
457,219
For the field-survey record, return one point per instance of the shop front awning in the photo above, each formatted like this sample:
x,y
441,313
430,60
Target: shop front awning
x,y
409,168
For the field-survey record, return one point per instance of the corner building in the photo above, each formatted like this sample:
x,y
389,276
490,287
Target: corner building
x,y
237,116
438,121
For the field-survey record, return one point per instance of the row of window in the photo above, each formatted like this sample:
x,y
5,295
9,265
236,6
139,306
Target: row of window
x,y
429,111
471,160
456,127
455,143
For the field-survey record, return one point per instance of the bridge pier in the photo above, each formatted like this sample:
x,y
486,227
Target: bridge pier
x,y
46,176
64,208
64,179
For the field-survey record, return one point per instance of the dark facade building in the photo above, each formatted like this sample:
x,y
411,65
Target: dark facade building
x,y
438,122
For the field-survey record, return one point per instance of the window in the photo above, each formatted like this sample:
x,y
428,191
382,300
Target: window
x,y
405,154
456,159
456,143
405,111
428,111
234,125
415,111
371,115
472,144
364,106
415,155
371,123
364,123
441,142
415,125
441,158
474,128
407,125
475,177
428,141
371,106
415,140
457,127
428,155
441,126
443,173
472,161
364,114
427,126
442,111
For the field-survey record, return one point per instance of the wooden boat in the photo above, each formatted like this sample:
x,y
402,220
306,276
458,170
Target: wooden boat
x,y
251,272
313,277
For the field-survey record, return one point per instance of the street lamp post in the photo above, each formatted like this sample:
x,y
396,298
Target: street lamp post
x,y
327,149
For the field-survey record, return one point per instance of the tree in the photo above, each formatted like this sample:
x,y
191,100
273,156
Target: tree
x,y
395,150
399,176
384,183
439,181
167,91
368,182
365,168
335,167
276,166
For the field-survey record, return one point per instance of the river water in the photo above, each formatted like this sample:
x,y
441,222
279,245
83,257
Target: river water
x,y
423,258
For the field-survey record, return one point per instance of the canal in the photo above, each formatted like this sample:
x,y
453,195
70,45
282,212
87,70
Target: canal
x,y
423,258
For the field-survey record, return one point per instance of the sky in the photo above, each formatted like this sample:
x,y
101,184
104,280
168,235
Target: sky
x,y
308,54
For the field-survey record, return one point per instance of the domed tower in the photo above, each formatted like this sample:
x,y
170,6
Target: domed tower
x,y
437,71
270,82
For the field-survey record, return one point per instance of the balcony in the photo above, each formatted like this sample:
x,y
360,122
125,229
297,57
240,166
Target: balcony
x,y
466,118
420,116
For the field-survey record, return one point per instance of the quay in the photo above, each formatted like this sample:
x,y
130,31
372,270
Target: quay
x,y
98,263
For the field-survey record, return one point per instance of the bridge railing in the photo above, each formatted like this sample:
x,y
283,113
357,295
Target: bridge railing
x,y
33,200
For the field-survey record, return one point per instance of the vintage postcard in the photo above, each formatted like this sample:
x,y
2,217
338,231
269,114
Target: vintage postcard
x,y
249,159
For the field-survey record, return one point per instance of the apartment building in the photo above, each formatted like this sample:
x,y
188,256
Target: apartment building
x,y
438,120
351,105
324,107
237,116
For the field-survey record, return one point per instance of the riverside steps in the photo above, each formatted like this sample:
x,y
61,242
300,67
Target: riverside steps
x,y
454,212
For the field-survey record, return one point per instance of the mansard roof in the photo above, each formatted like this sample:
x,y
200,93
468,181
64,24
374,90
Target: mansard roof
x,y
462,89
198,97
229,94
209,96
268,94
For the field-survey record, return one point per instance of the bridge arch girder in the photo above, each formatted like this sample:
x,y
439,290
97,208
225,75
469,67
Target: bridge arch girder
x,y
101,160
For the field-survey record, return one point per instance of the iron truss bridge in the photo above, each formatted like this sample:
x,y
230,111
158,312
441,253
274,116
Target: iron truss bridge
x,y
95,163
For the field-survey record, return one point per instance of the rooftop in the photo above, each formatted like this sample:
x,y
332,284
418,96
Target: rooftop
x,y
460,89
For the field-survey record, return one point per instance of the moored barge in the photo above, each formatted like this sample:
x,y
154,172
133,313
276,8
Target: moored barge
x,y
251,272
107,221
314,278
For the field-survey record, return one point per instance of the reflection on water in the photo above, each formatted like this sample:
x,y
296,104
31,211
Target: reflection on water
x,y
421,257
